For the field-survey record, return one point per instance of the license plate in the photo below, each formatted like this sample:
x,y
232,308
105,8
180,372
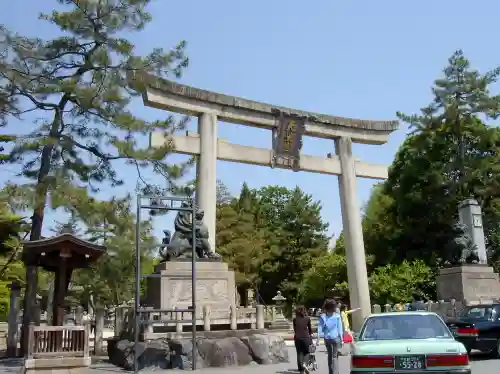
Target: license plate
x,y
410,362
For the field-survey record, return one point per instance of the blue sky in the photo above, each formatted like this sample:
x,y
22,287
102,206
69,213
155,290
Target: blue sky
x,y
363,59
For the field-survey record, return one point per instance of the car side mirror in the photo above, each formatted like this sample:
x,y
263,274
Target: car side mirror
x,y
355,336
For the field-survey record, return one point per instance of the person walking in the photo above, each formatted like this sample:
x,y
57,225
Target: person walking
x,y
331,330
302,337
344,313
347,334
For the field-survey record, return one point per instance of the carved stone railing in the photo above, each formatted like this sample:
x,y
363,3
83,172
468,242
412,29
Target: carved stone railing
x,y
178,322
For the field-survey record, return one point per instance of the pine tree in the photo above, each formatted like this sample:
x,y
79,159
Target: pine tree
x,y
460,98
453,155
11,268
240,241
69,227
223,196
110,281
78,84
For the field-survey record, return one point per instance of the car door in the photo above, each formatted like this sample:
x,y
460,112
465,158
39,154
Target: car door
x,y
495,317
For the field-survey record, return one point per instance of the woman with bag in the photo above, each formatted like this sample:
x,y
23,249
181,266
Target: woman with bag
x,y
302,337
344,313
331,330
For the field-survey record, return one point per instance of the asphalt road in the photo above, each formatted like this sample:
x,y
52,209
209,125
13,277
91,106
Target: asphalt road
x,y
480,365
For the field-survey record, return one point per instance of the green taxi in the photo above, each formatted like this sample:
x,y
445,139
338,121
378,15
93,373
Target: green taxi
x,y
407,342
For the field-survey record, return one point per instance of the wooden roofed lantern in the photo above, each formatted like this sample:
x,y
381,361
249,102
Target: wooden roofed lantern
x,y
61,255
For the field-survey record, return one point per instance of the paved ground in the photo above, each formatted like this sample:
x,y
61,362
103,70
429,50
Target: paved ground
x,y
480,365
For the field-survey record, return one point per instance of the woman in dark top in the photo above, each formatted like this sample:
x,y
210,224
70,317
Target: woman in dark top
x,y
302,337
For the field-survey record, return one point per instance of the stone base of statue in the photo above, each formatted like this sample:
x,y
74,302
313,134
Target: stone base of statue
x,y
215,289
468,283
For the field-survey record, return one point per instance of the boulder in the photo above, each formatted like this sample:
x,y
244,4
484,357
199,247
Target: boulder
x,y
267,349
220,352
224,352
122,354
278,351
153,354
181,354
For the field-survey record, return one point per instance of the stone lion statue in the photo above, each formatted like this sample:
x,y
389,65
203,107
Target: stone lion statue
x,y
461,250
179,245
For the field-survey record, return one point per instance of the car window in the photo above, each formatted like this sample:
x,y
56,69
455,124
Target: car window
x,y
478,312
496,313
404,326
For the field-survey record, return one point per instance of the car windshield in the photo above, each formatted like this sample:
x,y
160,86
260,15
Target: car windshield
x,y
404,326
477,312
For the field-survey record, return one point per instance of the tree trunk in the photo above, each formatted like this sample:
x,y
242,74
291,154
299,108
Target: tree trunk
x,y
29,302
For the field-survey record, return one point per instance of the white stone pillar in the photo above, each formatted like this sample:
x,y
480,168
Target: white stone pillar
x,y
206,168
359,292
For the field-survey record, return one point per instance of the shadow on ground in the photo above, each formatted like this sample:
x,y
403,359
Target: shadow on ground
x,y
10,365
479,356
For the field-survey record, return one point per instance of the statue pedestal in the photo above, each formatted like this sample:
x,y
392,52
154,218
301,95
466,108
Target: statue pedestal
x,y
468,283
215,288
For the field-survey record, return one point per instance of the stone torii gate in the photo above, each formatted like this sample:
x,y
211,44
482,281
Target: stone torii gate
x,y
288,126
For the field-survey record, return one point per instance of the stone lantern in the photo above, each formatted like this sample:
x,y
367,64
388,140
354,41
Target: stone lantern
x,y
280,322
279,300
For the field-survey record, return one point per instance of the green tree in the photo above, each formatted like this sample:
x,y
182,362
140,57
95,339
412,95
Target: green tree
x,y
398,283
296,236
451,156
460,97
11,226
11,268
77,87
78,82
5,139
379,229
442,162
326,276
223,194
340,244
240,241
418,182
111,281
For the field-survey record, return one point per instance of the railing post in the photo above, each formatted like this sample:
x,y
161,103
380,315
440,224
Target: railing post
x,y
206,317
453,307
233,312
86,341
252,313
13,327
148,329
79,315
119,320
429,306
178,322
259,316
99,331
31,340
37,313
